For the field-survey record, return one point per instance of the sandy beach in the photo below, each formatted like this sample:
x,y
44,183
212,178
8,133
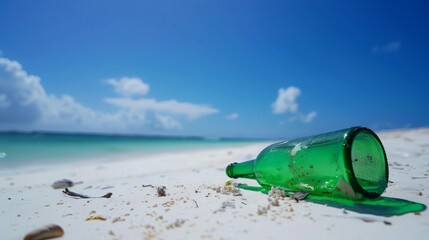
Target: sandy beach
x,y
197,205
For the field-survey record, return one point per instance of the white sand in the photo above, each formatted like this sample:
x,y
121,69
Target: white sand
x,y
193,209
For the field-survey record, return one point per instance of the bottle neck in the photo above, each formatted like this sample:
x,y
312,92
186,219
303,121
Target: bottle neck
x,y
241,170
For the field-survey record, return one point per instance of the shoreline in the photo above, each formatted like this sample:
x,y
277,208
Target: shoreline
x,y
132,166
197,205
123,156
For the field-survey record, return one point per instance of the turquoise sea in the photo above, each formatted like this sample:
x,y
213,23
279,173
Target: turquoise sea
x,y
19,149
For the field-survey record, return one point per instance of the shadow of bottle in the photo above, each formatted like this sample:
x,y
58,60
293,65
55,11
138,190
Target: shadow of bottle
x,y
382,206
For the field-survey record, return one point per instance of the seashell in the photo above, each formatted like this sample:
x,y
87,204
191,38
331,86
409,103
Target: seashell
x,y
95,217
47,232
64,183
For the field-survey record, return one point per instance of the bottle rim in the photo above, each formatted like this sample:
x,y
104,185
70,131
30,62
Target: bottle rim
x,y
348,156
229,171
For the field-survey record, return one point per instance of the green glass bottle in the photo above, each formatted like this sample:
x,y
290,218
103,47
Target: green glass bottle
x,y
349,163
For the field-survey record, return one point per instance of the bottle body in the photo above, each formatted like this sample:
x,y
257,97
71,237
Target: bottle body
x,y
349,163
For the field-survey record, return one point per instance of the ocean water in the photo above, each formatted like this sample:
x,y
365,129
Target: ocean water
x,y
31,149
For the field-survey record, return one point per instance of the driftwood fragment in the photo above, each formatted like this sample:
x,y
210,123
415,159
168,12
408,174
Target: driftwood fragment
x,y
78,195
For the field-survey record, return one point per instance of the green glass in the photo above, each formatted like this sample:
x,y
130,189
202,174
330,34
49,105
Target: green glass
x,y
349,163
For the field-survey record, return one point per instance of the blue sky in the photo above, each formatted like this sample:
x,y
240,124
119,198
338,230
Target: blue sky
x,y
213,68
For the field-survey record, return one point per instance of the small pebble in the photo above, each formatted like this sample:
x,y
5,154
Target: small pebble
x,y
387,223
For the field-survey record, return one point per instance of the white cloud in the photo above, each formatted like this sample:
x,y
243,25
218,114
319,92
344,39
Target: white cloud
x,y
129,86
232,116
286,100
22,94
24,104
65,111
190,110
308,118
166,122
387,48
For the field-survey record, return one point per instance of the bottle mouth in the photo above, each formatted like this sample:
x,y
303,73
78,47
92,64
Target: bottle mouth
x,y
367,162
229,170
